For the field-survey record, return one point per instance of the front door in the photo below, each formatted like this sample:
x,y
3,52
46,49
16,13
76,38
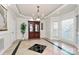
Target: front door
x,y
34,29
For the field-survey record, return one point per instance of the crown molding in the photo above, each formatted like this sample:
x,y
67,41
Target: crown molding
x,y
53,12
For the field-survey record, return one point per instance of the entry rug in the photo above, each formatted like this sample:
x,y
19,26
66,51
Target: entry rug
x,y
38,48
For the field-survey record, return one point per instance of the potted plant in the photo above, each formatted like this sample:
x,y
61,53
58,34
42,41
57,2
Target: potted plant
x,y
23,29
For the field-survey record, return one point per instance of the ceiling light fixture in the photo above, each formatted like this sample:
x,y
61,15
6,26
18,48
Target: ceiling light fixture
x,y
38,18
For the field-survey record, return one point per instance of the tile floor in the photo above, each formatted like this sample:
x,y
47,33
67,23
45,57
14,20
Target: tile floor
x,y
49,50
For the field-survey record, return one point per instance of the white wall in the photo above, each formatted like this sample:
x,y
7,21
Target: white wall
x,y
9,36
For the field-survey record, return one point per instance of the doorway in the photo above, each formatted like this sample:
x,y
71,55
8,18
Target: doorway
x,y
34,29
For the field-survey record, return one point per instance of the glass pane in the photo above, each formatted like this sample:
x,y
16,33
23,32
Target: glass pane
x,y
55,28
55,25
31,27
67,28
36,28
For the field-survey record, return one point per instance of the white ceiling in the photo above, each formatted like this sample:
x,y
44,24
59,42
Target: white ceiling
x,y
31,9
46,10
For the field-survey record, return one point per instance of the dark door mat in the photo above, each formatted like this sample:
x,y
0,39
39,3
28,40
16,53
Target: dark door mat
x,y
37,48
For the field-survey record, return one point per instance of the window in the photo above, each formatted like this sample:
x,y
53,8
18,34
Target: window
x,y
55,28
67,29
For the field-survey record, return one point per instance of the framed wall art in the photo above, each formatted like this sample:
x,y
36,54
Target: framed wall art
x,y
3,18
41,26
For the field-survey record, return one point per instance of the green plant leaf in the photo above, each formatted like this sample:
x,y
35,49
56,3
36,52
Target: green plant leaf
x,y
23,28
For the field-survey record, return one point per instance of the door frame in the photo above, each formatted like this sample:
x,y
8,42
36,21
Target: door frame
x,y
29,29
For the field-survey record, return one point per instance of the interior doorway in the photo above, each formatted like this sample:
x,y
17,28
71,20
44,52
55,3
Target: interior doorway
x,y
34,29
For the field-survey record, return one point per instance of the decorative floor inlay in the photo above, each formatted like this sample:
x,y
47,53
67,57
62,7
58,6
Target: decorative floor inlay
x,y
60,48
15,50
37,48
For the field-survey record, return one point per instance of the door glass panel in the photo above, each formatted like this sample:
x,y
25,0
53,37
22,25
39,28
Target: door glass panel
x,y
36,28
31,27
